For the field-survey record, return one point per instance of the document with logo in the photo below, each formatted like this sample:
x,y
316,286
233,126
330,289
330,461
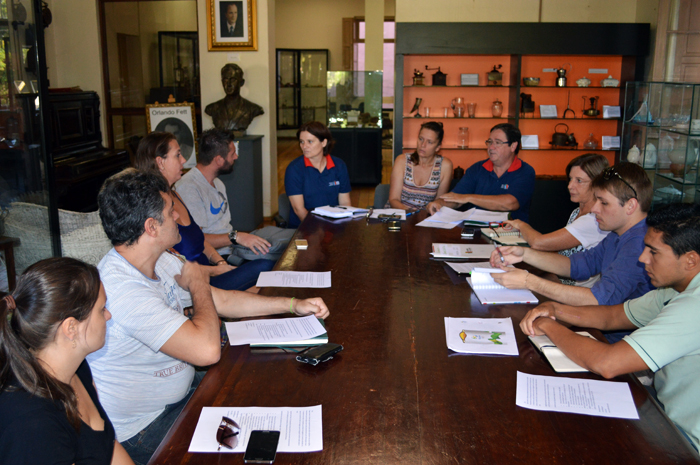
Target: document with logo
x,y
481,336
308,279
572,395
301,428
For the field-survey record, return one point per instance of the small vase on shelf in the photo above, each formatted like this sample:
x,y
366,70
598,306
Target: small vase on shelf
x,y
497,108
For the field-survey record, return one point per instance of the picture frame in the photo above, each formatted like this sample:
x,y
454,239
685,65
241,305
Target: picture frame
x,y
179,119
232,25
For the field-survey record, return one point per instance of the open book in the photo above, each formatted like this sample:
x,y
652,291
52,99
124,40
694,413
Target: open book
x,y
338,211
560,362
489,291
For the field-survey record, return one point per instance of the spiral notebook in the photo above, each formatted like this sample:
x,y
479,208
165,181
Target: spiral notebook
x,y
504,236
489,291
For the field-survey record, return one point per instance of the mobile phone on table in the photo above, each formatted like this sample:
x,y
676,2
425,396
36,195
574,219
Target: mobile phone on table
x,y
468,232
319,354
262,446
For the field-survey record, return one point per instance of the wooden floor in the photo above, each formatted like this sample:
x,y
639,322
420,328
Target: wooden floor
x,y
360,196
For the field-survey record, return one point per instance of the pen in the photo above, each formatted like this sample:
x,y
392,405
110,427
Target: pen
x,y
503,260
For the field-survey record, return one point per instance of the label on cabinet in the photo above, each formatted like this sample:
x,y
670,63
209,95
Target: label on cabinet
x,y
611,142
530,142
548,111
610,111
597,70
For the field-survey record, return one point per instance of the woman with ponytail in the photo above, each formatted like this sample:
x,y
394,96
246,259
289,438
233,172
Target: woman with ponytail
x,y
49,410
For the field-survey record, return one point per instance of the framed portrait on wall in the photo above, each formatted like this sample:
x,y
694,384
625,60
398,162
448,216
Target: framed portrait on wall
x,y
177,118
232,25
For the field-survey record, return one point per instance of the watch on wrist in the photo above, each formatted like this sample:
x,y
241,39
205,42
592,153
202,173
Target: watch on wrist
x,y
232,236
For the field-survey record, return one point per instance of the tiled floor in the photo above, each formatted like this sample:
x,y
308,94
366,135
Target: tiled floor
x,y
361,196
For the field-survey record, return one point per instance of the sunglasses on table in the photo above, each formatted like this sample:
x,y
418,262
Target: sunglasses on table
x,y
612,171
227,433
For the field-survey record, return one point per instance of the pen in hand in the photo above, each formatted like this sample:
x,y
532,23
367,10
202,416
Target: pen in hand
x,y
503,260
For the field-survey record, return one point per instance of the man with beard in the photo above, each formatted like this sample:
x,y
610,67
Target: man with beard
x,y
204,194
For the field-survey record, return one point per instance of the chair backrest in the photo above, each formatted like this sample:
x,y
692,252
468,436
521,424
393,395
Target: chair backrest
x,y
284,206
381,195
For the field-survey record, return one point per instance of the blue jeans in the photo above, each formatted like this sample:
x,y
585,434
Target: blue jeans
x,y
243,277
142,446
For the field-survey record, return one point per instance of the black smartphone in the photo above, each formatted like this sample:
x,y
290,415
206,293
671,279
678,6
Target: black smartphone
x,y
319,354
262,447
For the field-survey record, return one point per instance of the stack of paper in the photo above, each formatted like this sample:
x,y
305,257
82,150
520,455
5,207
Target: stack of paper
x,y
279,332
560,362
448,218
306,342
489,291
481,336
478,217
338,211
461,251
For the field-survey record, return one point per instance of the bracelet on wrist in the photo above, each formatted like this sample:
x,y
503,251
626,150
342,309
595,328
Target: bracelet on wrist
x,y
291,306
220,262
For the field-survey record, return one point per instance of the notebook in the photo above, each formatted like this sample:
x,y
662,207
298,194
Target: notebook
x,y
489,291
338,211
461,251
504,236
560,362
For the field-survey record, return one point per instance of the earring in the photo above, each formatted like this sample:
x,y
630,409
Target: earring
x,y
74,344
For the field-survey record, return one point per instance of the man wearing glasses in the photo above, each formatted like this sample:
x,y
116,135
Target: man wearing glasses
x,y
623,198
502,183
205,194
666,322
145,372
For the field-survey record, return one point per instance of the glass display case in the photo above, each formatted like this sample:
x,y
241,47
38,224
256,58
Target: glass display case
x,y
301,83
354,99
661,132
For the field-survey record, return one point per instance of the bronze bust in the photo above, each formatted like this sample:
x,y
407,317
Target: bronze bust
x,y
233,112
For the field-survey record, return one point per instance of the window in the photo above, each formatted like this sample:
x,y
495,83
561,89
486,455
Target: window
x,y
358,63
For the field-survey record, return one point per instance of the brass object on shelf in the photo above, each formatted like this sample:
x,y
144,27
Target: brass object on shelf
x,y
418,78
439,78
494,77
593,110
531,81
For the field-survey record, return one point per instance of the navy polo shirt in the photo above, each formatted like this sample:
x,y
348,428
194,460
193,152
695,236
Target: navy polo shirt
x,y
518,181
318,189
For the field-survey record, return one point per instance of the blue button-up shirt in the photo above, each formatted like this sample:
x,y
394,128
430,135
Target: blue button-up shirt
x,y
616,258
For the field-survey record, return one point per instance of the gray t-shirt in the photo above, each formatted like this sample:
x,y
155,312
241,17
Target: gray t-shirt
x,y
135,381
207,204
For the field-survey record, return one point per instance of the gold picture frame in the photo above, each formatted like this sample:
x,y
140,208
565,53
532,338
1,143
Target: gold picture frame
x,y
242,35
179,119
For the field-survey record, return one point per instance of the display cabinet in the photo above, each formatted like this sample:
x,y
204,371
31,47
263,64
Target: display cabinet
x,y
661,132
354,99
301,87
519,50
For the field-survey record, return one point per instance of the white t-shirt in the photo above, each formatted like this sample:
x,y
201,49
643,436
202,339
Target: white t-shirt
x,y
587,231
135,381
207,204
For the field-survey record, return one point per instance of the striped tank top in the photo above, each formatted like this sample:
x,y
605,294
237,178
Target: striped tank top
x,y
420,196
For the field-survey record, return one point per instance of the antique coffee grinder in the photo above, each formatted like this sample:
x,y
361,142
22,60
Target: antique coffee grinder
x,y
439,78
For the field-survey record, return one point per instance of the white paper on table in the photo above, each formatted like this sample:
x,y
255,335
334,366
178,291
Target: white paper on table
x,y
278,330
467,267
481,336
611,142
464,251
530,141
485,216
611,111
309,279
300,428
426,223
448,215
389,211
572,395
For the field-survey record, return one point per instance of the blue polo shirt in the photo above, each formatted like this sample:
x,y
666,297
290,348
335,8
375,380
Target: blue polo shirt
x,y
616,258
318,189
518,181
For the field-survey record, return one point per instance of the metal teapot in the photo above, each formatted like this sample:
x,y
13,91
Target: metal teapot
x,y
563,139
561,75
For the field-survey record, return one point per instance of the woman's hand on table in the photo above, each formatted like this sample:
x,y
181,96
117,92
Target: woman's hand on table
x,y
313,306
255,243
528,325
514,224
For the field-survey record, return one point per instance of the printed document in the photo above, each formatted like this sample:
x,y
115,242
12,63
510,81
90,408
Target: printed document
x,y
461,251
585,396
481,336
270,331
427,223
448,215
294,279
300,428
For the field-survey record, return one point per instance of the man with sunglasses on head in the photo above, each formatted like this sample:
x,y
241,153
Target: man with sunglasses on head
x,y
623,197
666,322
502,183
205,194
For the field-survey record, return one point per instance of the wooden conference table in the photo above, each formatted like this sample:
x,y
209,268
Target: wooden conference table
x,y
396,394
